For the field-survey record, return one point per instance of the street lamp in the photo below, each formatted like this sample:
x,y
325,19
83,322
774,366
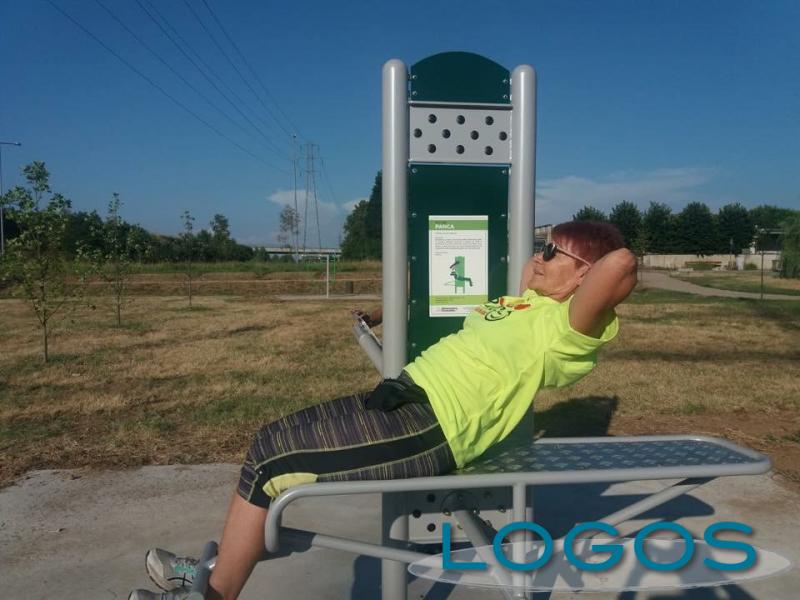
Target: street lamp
x,y
2,223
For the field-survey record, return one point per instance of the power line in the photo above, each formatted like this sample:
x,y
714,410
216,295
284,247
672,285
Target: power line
x,y
272,145
166,64
235,68
252,71
160,89
327,179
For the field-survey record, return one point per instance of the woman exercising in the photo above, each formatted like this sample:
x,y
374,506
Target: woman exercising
x,y
459,397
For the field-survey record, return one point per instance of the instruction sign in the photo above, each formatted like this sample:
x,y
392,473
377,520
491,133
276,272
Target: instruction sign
x,y
458,267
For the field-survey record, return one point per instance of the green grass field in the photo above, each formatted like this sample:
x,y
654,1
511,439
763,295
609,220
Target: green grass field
x,y
174,385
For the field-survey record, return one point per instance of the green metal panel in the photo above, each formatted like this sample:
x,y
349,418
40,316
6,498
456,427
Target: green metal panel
x,y
459,77
451,190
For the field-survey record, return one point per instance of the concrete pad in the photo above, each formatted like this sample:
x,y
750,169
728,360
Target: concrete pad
x,y
83,534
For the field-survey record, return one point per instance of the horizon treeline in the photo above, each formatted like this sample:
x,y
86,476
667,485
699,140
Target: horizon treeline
x,y
657,230
695,229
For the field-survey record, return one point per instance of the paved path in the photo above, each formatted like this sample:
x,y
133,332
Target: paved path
x,y
648,279
662,281
83,534
358,297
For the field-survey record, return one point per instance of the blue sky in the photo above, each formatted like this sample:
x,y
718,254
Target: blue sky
x,y
669,101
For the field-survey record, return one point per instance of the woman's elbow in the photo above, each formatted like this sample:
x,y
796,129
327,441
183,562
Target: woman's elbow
x,y
623,261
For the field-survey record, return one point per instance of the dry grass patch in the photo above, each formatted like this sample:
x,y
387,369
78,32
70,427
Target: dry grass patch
x,y
725,368
185,386
178,385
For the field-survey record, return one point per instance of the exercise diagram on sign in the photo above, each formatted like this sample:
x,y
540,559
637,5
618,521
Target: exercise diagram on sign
x,y
458,263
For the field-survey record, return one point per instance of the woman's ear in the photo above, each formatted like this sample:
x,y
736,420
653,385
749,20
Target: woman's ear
x,y
581,273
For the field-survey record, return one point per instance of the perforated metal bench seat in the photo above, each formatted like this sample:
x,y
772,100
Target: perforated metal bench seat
x,y
572,455
694,460
558,461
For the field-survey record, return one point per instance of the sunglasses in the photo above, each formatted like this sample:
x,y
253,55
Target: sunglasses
x,y
551,248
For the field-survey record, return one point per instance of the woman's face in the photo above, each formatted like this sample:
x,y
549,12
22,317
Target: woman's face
x,y
558,277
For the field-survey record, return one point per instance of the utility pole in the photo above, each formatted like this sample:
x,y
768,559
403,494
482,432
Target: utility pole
x,y
296,224
311,191
2,223
760,245
316,202
305,204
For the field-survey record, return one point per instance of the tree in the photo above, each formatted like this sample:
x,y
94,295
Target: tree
x,y
222,244
696,230
114,261
84,232
790,254
362,228
34,259
188,249
658,224
735,228
641,244
204,250
628,219
289,226
141,242
769,219
355,245
374,218
589,213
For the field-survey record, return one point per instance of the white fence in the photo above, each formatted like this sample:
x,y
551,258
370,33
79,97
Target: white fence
x,y
678,261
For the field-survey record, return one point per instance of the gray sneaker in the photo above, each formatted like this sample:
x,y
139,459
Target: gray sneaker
x,y
181,594
169,572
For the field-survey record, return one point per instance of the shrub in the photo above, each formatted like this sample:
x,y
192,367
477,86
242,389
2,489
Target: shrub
x,y
702,265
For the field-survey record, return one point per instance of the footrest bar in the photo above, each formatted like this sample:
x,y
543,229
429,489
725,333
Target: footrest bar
x,y
204,566
319,540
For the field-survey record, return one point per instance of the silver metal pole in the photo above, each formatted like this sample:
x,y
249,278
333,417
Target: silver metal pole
x,y
394,524
327,275
199,587
302,538
634,510
522,186
521,198
395,216
521,541
483,548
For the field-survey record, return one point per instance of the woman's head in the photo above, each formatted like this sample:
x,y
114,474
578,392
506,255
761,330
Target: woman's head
x,y
577,246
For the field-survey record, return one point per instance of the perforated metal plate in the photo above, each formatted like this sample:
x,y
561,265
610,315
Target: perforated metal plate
x,y
460,134
608,455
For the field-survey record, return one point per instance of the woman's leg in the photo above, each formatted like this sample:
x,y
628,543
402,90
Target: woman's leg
x,y
242,546
349,443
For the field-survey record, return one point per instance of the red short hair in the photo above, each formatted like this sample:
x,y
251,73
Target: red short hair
x,y
590,240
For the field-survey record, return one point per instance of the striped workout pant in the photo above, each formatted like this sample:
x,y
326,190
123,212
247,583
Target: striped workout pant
x,y
342,440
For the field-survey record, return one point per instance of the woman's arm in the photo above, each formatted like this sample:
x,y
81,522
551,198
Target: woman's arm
x,y
605,285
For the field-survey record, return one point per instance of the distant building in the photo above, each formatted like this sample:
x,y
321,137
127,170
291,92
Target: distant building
x,y
543,234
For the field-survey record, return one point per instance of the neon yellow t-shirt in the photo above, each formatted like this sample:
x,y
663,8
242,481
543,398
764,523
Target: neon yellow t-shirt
x,y
482,380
